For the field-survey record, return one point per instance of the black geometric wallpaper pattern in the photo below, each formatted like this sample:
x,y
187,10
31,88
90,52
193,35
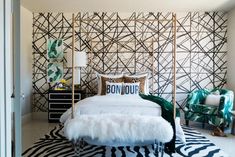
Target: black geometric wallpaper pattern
x,y
134,43
201,52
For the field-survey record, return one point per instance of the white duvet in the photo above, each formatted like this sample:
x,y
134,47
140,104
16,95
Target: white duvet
x,y
118,104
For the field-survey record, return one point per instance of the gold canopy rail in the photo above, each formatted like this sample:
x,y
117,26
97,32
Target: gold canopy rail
x,y
75,24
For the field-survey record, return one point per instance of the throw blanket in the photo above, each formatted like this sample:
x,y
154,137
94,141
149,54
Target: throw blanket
x,y
167,114
118,129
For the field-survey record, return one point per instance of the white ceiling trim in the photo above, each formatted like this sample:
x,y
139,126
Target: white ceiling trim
x,y
127,5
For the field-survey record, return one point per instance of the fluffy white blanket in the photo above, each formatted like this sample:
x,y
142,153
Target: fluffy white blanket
x,y
119,127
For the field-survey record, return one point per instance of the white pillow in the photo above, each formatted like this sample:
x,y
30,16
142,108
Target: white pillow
x,y
179,131
113,88
212,99
131,88
107,76
146,85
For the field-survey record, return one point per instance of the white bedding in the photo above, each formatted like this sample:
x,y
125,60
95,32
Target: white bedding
x,y
118,104
113,105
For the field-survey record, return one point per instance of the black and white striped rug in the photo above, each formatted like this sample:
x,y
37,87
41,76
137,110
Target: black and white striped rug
x,y
55,144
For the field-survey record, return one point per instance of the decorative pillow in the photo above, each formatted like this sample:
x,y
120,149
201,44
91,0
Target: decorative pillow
x,y
110,78
113,88
131,88
142,79
213,100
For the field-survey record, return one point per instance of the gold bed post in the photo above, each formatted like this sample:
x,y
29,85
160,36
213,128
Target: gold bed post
x,y
73,50
174,65
152,42
152,66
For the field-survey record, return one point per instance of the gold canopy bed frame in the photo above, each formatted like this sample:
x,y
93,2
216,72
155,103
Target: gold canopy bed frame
x,y
75,24
158,144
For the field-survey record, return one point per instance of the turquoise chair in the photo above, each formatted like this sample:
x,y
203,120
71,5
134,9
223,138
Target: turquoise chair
x,y
197,110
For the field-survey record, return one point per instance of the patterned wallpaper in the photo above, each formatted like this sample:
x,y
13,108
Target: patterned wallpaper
x,y
133,43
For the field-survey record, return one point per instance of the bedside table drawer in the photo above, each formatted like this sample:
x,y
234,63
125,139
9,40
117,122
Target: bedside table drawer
x,y
64,96
55,115
59,101
59,106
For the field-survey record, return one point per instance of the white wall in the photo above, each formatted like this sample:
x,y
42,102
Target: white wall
x,y
231,50
26,60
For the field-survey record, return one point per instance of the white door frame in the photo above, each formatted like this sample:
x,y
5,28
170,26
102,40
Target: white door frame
x,y
8,41
2,80
5,78
16,80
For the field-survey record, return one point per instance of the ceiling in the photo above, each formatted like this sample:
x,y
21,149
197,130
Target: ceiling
x,y
127,5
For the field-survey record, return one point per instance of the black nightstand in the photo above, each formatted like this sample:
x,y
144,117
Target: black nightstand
x,y
59,101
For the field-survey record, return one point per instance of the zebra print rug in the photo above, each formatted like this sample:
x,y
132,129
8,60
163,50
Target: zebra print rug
x,y
54,144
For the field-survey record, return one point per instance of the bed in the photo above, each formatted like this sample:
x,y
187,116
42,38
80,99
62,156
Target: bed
x,y
117,120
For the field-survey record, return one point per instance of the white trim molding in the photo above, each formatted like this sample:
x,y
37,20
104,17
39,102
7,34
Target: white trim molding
x,y
2,80
5,78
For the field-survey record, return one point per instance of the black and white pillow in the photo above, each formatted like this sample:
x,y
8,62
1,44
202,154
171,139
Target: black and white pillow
x,y
131,88
113,88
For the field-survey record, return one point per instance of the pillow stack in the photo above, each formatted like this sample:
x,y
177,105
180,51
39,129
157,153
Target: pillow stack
x,y
122,84
142,79
109,78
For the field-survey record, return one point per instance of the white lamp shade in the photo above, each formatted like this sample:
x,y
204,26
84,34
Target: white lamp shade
x,y
80,59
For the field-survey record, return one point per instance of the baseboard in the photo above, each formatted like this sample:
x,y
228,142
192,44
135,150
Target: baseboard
x,y
40,116
26,118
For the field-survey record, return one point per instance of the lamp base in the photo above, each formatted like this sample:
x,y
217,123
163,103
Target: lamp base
x,y
77,86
